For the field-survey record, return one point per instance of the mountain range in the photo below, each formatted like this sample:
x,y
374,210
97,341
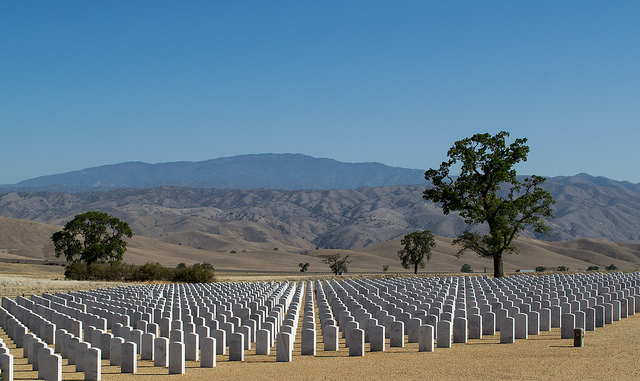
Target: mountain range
x,y
298,204
270,171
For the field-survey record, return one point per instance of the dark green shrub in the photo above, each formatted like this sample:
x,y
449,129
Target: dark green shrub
x,y
100,271
198,273
611,267
466,268
593,268
153,271
76,271
194,274
563,268
108,272
541,269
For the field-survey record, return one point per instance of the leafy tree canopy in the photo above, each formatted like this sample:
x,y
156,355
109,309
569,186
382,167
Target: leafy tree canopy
x,y
487,165
417,247
92,237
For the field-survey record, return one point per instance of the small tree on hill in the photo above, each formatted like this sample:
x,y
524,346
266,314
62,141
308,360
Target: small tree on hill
x,y
417,247
337,264
303,267
92,237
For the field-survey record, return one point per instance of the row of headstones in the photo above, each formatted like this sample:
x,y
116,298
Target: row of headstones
x,y
242,336
38,352
286,337
226,319
308,333
357,327
18,330
261,331
401,292
125,314
534,306
122,347
447,327
6,358
174,328
192,298
449,306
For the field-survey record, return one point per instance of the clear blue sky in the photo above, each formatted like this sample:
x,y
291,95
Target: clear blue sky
x,y
89,83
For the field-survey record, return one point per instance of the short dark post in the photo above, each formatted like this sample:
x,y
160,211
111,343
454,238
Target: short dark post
x,y
578,337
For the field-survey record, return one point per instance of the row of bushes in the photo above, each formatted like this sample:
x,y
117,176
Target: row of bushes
x,y
466,268
197,273
611,267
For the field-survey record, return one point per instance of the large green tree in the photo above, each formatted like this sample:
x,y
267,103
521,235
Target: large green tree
x,y
417,247
487,166
92,237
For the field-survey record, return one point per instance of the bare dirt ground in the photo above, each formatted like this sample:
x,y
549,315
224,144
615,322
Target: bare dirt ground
x,y
611,353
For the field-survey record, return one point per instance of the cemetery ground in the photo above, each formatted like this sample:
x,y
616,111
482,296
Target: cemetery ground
x,y
611,352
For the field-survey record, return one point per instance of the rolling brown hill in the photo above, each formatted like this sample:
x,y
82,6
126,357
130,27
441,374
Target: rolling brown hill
x,y
587,208
21,239
277,229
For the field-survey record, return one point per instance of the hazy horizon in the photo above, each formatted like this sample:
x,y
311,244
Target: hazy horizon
x,y
272,153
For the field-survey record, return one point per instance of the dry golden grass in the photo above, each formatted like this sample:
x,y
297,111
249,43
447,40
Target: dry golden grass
x,y
27,279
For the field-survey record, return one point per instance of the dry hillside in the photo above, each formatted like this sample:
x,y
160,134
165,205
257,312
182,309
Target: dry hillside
x,y
345,219
20,239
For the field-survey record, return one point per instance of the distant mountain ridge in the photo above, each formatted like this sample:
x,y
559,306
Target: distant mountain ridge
x,y
586,208
277,210
268,171
298,201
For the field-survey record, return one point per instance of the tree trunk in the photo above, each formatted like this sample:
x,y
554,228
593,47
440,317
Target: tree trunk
x,y
498,269
415,269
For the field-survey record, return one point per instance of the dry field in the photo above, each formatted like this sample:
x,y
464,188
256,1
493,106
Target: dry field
x,y
27,279
611,353
22,240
